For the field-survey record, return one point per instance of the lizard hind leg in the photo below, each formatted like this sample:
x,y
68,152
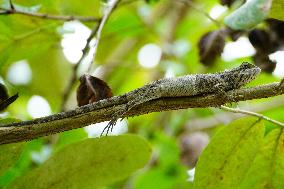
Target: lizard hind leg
x,y
109,127
113,121
141,96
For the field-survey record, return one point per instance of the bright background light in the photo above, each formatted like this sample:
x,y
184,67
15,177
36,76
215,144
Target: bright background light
x,y
278,56
95,130
217,11
41,156
181,47
19,73
38,107
149,55
238,49
74,40
191,173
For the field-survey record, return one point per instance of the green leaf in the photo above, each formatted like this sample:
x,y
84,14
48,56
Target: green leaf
x,y
267,170
277,10
75,7
69,137
228,156
248,15
23,163
91,163
8,120
9,154
31,9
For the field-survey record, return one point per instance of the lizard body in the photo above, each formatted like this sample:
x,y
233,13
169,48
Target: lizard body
x,y
189,85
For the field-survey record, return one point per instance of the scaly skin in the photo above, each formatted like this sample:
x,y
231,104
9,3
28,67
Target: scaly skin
x,y
189,85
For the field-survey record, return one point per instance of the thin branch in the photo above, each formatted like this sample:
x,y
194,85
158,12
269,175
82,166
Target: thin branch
x,y
96,31
11,5
109,9
13,10
104,110
252,114
202,123
199,9
33,32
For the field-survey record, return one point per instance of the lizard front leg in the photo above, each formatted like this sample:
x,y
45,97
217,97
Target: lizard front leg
x,y
220,90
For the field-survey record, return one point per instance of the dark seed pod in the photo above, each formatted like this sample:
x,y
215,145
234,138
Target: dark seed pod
x,y
92,89
5,100
277,26
264,63
234,34
211,46
261,41
227,2
3,92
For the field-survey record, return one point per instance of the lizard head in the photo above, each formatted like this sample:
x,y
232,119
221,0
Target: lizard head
x,y
241,75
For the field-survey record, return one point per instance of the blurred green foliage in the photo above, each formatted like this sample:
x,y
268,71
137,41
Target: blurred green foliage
x,y
104,160
169,24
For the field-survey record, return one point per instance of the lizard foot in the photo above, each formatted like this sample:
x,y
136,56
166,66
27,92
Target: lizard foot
x,y
109,127
219,90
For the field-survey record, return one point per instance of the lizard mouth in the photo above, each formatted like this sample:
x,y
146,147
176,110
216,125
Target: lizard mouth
x,y
254,70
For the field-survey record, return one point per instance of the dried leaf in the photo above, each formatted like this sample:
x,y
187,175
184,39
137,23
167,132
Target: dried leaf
x,y
92,89
211,46
277,27
261,40
5,101
3,92
227,2
262,60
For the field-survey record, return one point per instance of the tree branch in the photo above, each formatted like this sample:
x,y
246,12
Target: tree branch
x,y
104,110
13,10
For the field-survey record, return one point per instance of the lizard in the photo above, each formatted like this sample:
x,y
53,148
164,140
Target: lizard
x,y
183,86
188,85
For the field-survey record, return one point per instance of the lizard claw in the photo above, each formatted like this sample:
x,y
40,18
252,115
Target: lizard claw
x,y
109,127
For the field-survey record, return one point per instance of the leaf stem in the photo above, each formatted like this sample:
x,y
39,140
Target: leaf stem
x,y
260,116
13,10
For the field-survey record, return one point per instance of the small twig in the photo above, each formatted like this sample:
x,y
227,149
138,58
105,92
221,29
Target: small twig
x,y
194,6
33,32
11,5
13,10
252,114
95,32
3,12
225,117
106,16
